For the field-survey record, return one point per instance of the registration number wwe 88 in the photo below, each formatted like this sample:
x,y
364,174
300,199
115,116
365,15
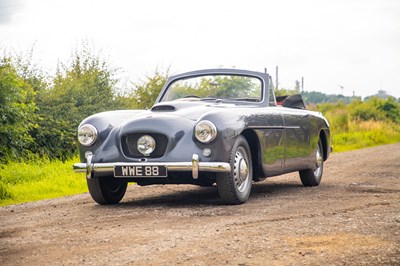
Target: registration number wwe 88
x,y
140,171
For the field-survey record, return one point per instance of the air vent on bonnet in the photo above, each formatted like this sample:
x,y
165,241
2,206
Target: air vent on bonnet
x,y
163,108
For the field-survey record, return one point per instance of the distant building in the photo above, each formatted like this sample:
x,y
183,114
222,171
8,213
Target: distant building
x,y
381,94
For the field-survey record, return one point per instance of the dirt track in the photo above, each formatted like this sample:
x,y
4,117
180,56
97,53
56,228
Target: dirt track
x,y
353,217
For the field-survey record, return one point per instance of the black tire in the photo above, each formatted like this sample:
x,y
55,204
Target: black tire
x,y
107,190
312,177
235,187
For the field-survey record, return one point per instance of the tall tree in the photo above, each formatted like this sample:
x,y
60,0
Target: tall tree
x,y
82,88
17,111
146,92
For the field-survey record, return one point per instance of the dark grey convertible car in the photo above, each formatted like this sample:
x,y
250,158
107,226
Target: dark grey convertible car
x,y
220,126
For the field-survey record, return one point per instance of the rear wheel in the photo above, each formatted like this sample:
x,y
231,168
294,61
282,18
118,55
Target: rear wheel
x,y
312,177
107,190
235,187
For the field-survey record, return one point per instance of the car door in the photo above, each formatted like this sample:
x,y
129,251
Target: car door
x,y
269,128
297,138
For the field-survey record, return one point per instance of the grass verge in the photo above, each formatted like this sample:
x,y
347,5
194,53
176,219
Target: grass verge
x,y
363,134
30,181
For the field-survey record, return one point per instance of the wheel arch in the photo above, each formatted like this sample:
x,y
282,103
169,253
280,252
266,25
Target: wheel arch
x,y
324,140
254,144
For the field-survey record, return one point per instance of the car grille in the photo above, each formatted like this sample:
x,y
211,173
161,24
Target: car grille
x,y
129,145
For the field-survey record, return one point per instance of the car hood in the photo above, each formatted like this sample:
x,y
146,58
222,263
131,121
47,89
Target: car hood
x,y
168,117
189,109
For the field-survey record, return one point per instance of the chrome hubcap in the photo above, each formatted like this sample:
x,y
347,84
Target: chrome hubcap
x,y
241,170
318,163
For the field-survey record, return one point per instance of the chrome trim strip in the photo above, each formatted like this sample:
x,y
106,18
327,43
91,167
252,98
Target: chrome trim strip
x,y
79,168
274,127
194,166
292,127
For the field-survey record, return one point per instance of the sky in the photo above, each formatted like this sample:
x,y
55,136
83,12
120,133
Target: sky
x,y
339,47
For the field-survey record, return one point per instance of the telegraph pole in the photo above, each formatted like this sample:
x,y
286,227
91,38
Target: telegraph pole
x,y
302,84
276,78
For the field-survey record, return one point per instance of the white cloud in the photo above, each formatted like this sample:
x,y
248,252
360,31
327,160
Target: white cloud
x,y
8,10
353,43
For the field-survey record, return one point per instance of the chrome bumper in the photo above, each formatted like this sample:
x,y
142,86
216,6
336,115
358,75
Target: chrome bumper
x,y
194,166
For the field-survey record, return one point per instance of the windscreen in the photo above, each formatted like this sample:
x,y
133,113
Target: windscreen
x,y
212,87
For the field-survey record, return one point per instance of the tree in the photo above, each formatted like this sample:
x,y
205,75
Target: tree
x,y
84,87
237,86
147,91
17,111
390,108
284,92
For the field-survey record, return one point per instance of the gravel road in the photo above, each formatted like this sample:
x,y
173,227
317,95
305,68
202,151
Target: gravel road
x,y
353,217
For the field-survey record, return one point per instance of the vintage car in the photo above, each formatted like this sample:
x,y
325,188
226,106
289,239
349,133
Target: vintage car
x,y
220,126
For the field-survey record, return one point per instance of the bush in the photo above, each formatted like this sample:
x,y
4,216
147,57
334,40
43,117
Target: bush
x,y
17,112
40,118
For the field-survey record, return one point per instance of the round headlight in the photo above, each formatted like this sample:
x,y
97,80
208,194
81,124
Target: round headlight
x,y
205,131
87,135
146,145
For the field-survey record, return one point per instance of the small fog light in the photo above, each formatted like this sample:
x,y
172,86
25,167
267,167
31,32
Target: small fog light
x,y
206,152
146,145
88,153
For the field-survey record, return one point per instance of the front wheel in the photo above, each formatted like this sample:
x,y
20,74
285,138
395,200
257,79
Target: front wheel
x,y
235,187
312,177
107,190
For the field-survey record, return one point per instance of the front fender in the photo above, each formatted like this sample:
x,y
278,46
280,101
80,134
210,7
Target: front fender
x,y
105,122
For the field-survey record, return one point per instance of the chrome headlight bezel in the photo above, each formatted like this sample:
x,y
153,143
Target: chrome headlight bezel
x,y
205,131
87,135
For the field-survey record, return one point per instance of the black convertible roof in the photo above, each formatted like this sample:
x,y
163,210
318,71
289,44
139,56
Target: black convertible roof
x,y
292,101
